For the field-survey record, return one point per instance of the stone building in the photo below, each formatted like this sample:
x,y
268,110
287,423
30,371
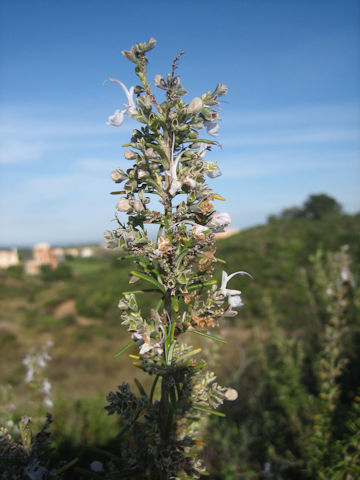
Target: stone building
x,y
9,258
42,255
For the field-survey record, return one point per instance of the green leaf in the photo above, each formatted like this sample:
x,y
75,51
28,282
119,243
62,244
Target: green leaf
x,y
153,388
140,387
211,412
170,352
140,291
158,305
128,345
200,285
207,335
189,354
201,140
148,279
220,260
175,303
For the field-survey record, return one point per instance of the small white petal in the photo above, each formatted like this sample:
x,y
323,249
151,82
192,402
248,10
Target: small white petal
x,y
116,119
146,347
219,220
212,128
215,173
235,301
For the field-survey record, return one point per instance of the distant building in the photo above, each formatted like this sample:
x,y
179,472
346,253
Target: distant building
x,y
9,258
86,252
59,254
227,233
42,255
73,252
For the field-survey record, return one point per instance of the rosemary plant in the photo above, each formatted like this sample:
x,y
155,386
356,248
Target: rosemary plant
x,y
160,437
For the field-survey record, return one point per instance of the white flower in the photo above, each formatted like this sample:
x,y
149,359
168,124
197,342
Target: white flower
x,y
194,106
234,296
212,128
215,173
48,403
118,117
96,466
235,301
219,220
146,345
46,386
123,205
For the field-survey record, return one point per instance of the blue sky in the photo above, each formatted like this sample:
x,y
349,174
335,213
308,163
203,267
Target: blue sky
x,y
290,122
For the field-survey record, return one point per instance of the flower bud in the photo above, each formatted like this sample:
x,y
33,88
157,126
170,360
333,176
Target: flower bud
x,y
220,90
142,174
108,235
219,220
138,206
149,152
194,106
159,81
118,175
231,394
130,186
123,205
130,155
190,182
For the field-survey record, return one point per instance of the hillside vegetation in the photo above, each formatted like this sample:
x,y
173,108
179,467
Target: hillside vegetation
x,y
271,356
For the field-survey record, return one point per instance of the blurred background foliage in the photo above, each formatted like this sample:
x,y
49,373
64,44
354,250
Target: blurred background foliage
x,y
292,351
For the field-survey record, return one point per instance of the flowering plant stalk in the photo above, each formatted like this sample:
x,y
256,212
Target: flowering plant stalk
x,y
160,437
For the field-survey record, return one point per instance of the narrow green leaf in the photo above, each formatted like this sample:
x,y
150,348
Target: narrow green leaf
x,y
189,354
128,345
220,260
175,303
211,412
173,397
170,352
207,335
202,140
148,279
200,285
119,192
140,387
138,291
153,388
158,305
